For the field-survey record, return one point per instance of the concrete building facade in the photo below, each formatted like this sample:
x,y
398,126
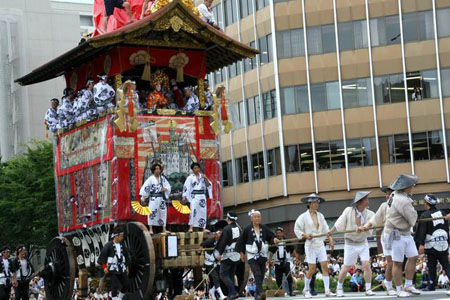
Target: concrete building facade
x,y
345,95
32,32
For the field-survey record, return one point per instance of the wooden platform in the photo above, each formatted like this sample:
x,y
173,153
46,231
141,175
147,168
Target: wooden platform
x,y
188,246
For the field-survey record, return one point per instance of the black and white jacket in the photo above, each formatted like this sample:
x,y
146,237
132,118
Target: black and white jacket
x,y
256,246
20,274
226,245
116,264
282,254
433,234
6,273
210,255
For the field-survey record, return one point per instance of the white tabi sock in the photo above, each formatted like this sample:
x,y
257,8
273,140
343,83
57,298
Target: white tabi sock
x,y
212,292
307,282
326,283
368,286
408,283
399,288
219,290
388,285
340,285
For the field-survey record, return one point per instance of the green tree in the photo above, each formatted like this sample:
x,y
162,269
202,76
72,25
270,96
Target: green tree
x,y
27,197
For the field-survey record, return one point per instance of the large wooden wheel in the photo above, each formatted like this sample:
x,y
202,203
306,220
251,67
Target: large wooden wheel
x,y
59,270
142,266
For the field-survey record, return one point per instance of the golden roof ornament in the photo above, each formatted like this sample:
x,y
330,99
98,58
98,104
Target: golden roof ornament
x,y
162,3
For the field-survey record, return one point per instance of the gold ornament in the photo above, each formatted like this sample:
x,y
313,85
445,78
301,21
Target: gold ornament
x,y
201,92
140,58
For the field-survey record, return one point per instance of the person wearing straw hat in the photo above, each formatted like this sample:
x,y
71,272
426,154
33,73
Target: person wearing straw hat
x,y
432,238
379,219
114,258
400,218
7,274
282,258
356,244
254,243
307,225
157,188
228,255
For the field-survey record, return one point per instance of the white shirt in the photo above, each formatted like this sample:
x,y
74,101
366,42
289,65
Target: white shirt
x,y
443,279
207,15
6,266
118,249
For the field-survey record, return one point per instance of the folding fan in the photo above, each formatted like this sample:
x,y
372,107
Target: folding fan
x,y
139,209
184,209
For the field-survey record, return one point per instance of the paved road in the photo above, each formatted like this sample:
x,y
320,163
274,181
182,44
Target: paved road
x,y
439,294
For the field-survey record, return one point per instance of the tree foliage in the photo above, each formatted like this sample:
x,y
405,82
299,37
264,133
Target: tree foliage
x,y
27,197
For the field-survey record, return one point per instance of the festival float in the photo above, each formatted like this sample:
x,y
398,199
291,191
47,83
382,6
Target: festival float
x,y
101,164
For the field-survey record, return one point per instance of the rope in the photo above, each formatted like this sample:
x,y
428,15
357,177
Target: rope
x,y
297,241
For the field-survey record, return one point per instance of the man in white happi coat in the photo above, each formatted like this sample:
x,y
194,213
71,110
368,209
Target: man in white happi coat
x,y
192,101
51,117
379,219
103,94
157,188
66,113
207,14
356,244
307,225
400,218
85,105
196,188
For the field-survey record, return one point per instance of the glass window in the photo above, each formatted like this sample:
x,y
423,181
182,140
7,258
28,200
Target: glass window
x,y
269,47
445,78
355,153
436,144
241,170
381,84
314,40
429,84
323,155
364,92
443,15
284,44
420,146
350,93
397,88
401,148
260,4
378,32
264,55
251,111
318,95
345,36
298,42
387,153
328,39
245,8
292,159
425,25
369,151
257,109
392,30
274,162
288,100
258,166
306,157
217,11
410,27
236,115
227,177
332,95
228,4
337,154
360,34
301,99
269,102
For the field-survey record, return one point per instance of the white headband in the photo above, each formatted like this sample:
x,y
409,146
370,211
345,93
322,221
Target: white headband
x,y
252,212
231,217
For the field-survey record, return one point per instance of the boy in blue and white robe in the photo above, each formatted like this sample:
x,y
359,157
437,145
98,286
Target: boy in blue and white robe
x,y
51,117
195,189
85,106
103,94
192,101
66,113
157,188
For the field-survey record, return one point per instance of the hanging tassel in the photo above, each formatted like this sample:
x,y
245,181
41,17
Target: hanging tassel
x,y
146,75
180,74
